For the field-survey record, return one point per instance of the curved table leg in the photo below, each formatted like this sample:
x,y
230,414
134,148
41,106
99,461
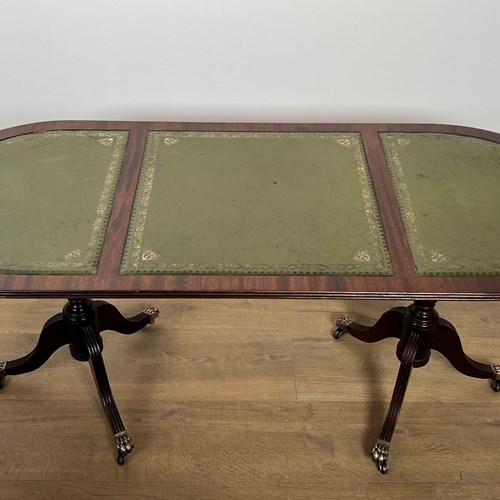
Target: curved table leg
x,y
109,318
390,324
380,452
53,336
124,443
447,341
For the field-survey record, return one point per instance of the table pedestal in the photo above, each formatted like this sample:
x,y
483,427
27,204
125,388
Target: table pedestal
x,y
420,329
80,325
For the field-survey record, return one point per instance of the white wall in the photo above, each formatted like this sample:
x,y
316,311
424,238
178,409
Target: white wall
x,y
251,60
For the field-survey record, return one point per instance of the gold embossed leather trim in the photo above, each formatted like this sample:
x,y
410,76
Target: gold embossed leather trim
x,y
56,192
255,203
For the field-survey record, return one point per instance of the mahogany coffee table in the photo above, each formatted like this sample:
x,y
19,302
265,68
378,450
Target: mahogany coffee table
x,y
337,211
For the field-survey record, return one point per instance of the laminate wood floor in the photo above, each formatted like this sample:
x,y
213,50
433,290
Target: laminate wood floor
x,y
248,399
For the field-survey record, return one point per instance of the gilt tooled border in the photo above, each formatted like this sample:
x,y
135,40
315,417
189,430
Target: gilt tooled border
x,y
405,203
133,244
132,263
89,263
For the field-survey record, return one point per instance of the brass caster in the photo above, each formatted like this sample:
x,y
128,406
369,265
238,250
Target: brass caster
x,y
124,446
153,314
342,324
380,455
495,381
3,365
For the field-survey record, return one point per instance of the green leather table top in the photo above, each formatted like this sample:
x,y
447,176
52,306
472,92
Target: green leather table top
x,y
266,203
105,209
448,189
56,192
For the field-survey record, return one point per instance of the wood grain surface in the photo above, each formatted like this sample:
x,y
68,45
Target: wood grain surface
x,y
248,399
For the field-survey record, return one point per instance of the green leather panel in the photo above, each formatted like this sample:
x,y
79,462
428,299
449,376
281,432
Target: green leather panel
x,y
448,191
56,193
255,203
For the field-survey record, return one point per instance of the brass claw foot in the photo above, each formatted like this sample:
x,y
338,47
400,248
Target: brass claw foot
x,y
3,374
153,314
124,446
342,323
495,379
380,454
